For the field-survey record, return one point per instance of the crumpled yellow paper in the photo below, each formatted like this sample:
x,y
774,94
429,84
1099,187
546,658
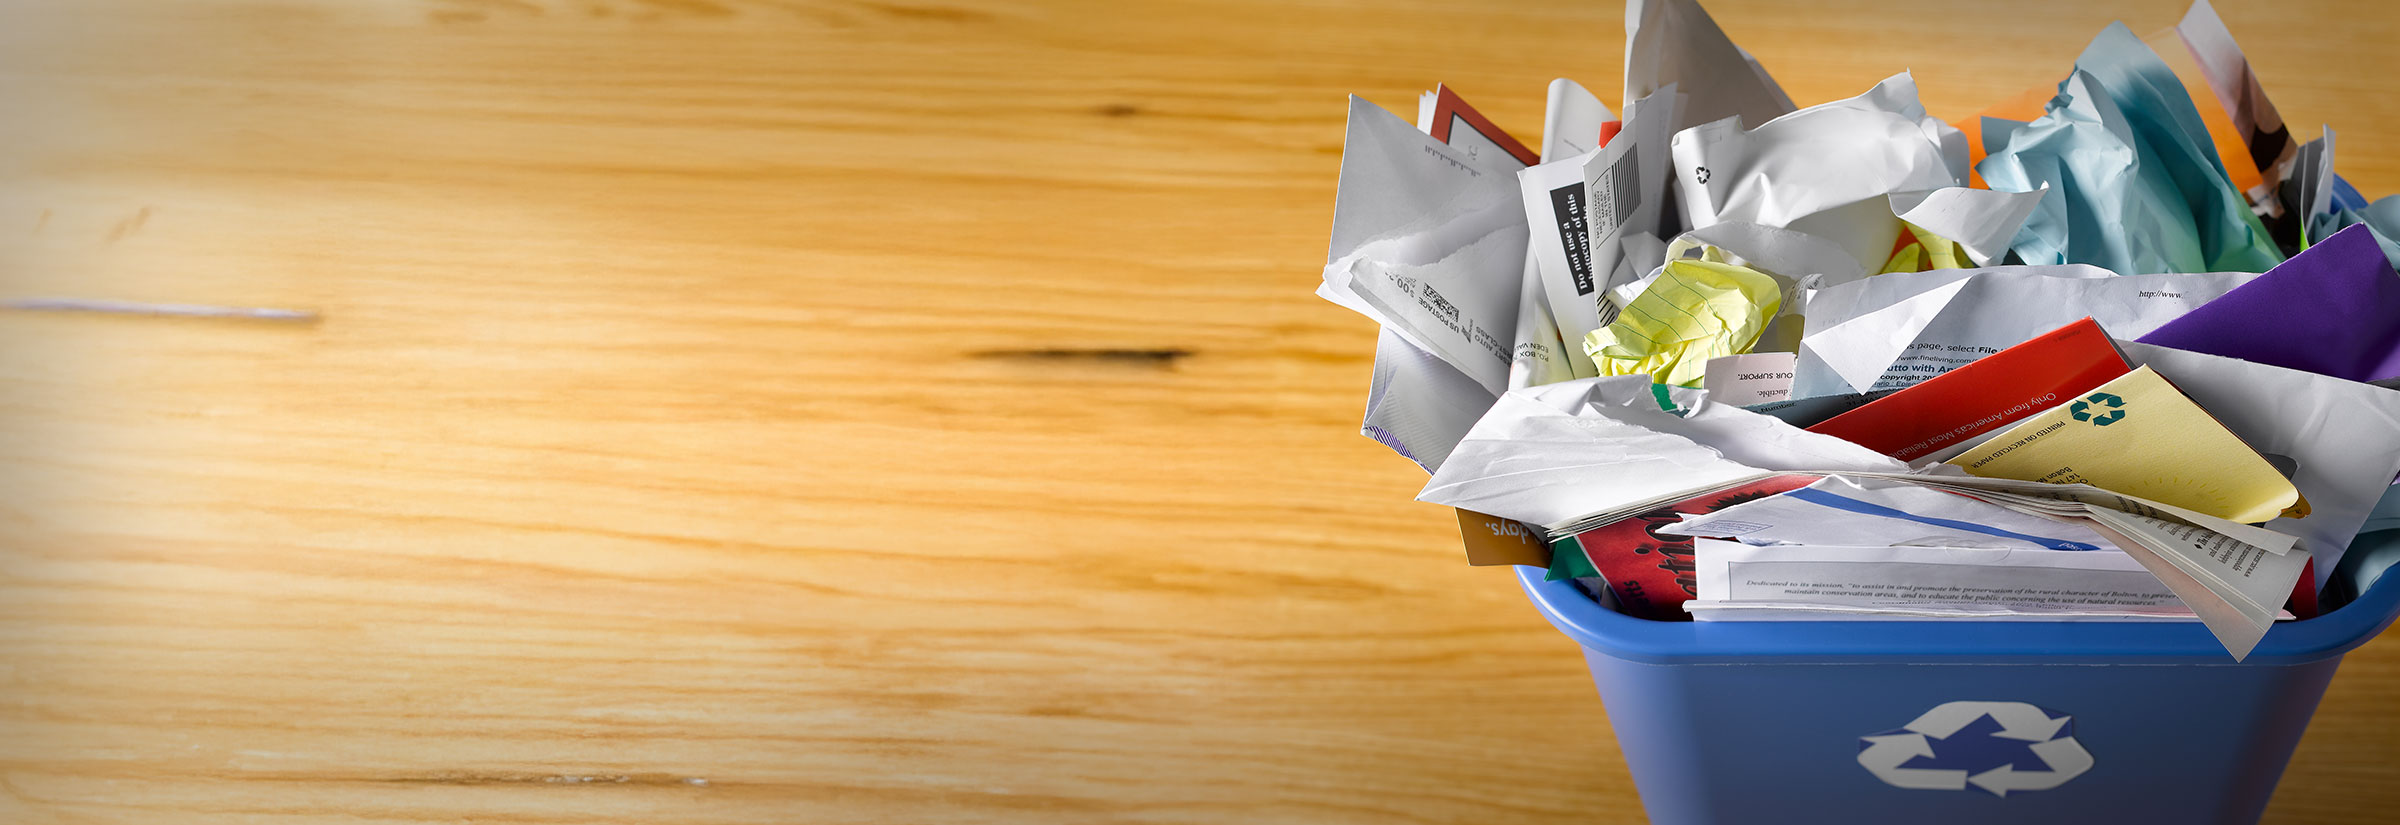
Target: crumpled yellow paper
x,y
1696,310
1921,250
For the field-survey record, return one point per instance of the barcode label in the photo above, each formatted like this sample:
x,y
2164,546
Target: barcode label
x,y
1613,194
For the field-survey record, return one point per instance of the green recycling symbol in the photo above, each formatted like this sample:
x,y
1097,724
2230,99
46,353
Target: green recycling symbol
x,y
2082,410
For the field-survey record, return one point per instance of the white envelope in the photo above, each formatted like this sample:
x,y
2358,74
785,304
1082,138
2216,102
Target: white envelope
x,y
1549,455
1529,461
1554,198
1418,405
1591,216
1428,244
1857,332
1572,120
1570,127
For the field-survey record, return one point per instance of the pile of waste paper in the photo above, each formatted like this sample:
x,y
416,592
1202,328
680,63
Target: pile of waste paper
x,y
2114,350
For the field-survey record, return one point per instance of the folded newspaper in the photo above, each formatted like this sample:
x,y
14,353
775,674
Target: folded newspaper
x,y
1737,359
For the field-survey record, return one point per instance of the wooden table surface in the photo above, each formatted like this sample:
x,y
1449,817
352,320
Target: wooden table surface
x,y
768,411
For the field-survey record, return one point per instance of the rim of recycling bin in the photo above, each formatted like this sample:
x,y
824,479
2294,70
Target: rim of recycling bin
x,y
1947,641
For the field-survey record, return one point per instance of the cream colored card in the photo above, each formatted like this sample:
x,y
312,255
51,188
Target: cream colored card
x,y
2139,436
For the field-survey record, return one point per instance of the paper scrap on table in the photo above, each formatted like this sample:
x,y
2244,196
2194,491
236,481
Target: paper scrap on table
x,y
2135,182
1869,512
2333,309
1894,330
1872,576
1743,380
2138,435
2338,440
1693,312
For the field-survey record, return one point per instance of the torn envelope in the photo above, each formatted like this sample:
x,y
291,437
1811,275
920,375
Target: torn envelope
x,y
1550,455
1576,123
1534,463
1860,336
1593,215
1418,405
1428,244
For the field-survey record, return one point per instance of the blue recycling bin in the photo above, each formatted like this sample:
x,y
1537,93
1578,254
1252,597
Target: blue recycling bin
x,y
1957,722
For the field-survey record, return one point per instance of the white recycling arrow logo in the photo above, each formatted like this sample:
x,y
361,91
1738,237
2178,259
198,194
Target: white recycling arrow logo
x,y
1908,758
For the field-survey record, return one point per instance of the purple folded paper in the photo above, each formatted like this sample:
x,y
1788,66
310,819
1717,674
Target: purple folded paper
x,y
2333,309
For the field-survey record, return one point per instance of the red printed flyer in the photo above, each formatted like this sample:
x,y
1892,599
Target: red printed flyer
x,y
1983,395
1653,574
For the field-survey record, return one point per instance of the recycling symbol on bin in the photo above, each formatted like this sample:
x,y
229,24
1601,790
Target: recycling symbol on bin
x,y
2082,410
1996,746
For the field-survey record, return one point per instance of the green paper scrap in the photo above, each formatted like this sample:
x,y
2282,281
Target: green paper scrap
x,y
1665,402
1696,310
2135,182
2382,219
1567,561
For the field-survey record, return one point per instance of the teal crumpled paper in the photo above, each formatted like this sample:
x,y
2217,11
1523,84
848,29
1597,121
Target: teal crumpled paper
x,y
2135,183
2344,207
2381,217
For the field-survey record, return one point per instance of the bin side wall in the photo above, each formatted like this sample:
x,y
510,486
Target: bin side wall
x,y
2182,743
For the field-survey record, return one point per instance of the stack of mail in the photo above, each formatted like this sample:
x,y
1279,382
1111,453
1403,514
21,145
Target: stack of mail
x,y
2118,349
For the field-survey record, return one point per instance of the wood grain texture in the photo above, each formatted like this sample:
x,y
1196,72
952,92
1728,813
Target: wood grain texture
x,y
765,411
